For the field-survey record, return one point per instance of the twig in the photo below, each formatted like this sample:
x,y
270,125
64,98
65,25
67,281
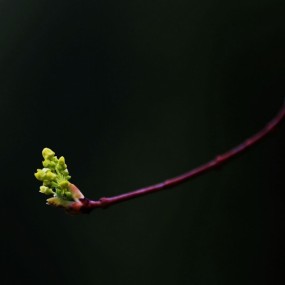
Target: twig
x,y
88,205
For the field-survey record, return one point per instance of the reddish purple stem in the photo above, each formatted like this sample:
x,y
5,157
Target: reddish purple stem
x,y
217,161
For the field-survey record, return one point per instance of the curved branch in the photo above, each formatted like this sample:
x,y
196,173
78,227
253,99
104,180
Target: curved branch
x,y
88,205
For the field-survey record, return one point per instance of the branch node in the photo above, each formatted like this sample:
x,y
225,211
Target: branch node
x,y
104,202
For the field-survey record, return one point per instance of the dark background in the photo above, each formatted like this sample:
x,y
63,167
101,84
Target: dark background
x,y
133,93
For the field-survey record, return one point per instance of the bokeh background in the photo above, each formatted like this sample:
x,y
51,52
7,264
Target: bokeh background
x,y
132,93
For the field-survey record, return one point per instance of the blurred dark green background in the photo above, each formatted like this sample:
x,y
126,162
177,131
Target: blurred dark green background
x,y
132,93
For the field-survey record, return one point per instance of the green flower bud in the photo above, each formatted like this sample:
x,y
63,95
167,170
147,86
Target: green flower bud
x,y
58,202
50,176
63,184
69,196
49,164
54,161
61,161
47,153
52,165
61,166
46,190
46,163
40,174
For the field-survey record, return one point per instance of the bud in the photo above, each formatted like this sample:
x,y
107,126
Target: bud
x,y
49,164
68,196
63,184
47,153
59,202
54,177
76,193
51,176
40,174
47,183
46,163
46,190
61,161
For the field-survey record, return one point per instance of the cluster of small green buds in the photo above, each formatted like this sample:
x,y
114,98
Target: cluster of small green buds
x,y
55,178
